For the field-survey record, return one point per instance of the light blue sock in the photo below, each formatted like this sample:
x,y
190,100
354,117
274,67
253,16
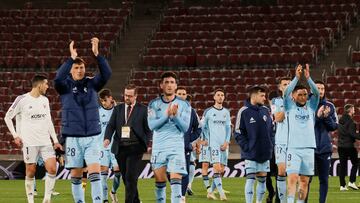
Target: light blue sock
x,y
104,176
175,190
116,182
96,189
206,181
281,186
249,188
77,191
160,192
191,173
290,199
260,188
300,201
218,183
213,186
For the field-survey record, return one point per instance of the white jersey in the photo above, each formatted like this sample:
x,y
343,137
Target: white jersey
x,y
33,120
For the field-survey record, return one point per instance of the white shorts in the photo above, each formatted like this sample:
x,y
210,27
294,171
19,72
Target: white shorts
x,y
32,153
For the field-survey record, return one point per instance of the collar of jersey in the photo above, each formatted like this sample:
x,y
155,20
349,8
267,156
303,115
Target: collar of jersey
x,y
166,101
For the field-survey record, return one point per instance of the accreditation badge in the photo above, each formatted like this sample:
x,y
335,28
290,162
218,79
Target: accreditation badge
x,y
125,132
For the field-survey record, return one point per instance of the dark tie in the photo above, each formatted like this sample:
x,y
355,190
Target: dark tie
x,y
128,111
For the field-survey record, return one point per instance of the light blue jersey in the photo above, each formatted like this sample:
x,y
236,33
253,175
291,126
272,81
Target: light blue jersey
x,y
281,134
105,115
216,126
301,119
168,132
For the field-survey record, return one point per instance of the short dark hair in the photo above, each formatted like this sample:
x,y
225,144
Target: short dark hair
x,y
299,87
79,60
131,87
255,90
319,82
37,79
219,90
188,98
105,93
283,78
347,107
273,94
169,74
181,88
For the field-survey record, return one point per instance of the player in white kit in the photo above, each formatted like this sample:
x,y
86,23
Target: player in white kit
x,y
33,132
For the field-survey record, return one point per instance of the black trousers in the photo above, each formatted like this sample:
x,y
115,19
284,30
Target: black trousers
x,y
185,178
344,154
129,160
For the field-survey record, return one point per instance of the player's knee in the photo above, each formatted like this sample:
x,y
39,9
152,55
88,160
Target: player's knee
x,y
51,170
251,176
292,179
94,168
30,170
281,170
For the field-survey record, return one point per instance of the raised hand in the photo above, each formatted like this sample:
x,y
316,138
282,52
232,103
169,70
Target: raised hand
x,y
73,52
95,45
298,71
326,111
320,112
174,109
307,71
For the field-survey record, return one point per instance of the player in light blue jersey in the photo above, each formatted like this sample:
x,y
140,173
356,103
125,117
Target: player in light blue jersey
x,y
217,132
107,159
301,141
168,118
281,135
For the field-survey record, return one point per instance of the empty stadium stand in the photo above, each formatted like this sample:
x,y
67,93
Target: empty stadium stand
x,y
38,38
235,35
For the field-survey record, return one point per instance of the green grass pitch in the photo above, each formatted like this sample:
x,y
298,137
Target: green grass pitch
x,y
13,191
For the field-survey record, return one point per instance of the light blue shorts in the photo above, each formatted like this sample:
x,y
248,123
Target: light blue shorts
x,y
204,154
218,156
108,159
173,160
256,167
300,161
280,153
79,149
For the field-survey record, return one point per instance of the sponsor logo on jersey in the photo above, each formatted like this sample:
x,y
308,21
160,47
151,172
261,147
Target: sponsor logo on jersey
x,y
38,116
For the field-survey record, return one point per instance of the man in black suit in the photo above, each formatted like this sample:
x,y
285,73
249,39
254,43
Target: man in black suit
x,y
131,138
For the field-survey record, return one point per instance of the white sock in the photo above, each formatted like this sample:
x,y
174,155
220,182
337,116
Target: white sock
x,y
49,185
29,188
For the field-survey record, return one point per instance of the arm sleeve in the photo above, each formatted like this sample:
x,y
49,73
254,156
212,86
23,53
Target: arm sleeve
x,y
315,97
154,121
228,128
352,131
111,126
196,129
182,118
104,74
14,110
331,122
51,126
287,94
61,75
204,127
148,132
241,136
